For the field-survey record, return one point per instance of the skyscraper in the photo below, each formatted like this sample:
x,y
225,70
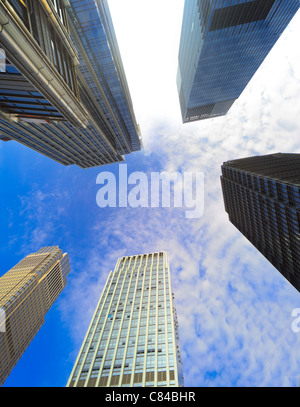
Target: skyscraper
x,y
223,43
63,91
262,199
132,340
27,292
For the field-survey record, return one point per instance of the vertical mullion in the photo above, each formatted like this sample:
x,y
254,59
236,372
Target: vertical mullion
x,y
100,314
166,326
128,328
131,320
85,341
138,325
156,334
147,327
121,322
111,328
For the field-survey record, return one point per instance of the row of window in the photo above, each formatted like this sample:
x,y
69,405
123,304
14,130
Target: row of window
x,y
37,22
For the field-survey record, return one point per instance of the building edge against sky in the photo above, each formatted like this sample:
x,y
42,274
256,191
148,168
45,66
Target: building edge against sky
x,y
63,91
133,338
262,198
27,292
222,45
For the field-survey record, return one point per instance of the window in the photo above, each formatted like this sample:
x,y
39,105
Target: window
x,y
21,10
59,9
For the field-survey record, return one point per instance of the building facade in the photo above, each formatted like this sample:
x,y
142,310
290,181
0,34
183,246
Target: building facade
x,y
63,91
132,340
223,43
262,199
27,292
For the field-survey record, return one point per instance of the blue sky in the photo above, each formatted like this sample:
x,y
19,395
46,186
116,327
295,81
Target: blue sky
x,y
234,309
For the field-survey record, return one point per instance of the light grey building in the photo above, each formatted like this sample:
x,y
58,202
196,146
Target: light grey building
x,y
132,340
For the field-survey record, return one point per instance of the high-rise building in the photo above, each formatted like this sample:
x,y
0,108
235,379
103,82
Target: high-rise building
x,y
63,89
262,199
132,340
27,292
223,43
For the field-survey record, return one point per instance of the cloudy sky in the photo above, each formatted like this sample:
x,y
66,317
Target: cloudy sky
x,y
234,308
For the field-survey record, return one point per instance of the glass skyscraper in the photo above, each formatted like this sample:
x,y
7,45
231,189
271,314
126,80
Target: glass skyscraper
x,y
223,43
262,199
27,292
133,339
63,91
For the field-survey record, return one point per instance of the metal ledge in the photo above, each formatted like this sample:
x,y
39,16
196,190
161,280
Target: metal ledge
x,y
25,54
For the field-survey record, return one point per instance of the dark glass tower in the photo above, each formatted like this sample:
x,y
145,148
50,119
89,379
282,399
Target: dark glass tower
x,y
262,199
223,43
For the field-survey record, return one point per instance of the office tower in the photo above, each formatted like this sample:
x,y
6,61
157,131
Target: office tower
x,y
132,340
27,292
223,43
64,92
262,199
